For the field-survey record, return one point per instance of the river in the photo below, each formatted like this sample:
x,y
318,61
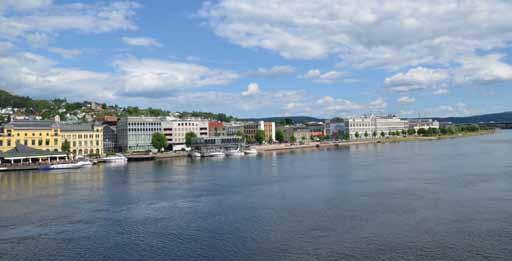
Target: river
x,y
429,200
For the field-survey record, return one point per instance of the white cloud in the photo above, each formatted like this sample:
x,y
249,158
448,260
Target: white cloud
x,y
252,89
416,79
35,75
327,77
23,4
483,70
51,18
458,109
365,33
141,41
158,77
273,71
333,106
441,92
406,100
378,104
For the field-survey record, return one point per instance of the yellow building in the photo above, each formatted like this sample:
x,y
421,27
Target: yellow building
x,y
84,138
44,135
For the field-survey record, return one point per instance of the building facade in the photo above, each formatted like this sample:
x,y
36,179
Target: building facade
x,y
250,129
135,133
234,128
84,138
175,131
335,129
216,129
38,134
110,139
373,126
417,124
270,130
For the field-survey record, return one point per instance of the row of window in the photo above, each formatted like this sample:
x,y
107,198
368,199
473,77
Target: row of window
x,y
85,143
9,134
143,124
33,142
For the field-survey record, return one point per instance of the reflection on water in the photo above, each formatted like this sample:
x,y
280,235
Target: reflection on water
x,y
436,200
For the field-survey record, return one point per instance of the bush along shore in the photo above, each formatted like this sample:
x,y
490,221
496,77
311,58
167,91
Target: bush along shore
x,y
455,131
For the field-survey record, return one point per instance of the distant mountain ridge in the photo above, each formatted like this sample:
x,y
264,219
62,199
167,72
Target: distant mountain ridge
x,y
502,117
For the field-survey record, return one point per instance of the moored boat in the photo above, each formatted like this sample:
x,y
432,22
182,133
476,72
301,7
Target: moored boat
x,y
250,151
194,154
75,165
213,154
234,153
118,158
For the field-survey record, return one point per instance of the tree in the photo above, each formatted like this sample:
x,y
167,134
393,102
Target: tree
x,y
293,139
422,131
411,131
280,136
366,134
189,136
382,134
404,132
66,146
374,134
356,135
260,136
159,141
346,136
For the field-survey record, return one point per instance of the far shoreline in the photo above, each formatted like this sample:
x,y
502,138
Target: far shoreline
x,y
334,144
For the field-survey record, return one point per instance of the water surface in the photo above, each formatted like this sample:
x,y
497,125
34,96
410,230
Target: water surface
x,y
435,200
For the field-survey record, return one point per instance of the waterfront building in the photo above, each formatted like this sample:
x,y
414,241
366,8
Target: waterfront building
x,y
234,128
301,133
109,139
372,126
270,130
250,129
135,133
175,130
417,124
21,154
316,130
335,128
216,128
38,134
217,143
84,138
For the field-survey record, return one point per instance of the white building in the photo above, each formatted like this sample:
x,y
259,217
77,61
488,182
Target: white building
x,y
371,126
269,127
175,130
417,124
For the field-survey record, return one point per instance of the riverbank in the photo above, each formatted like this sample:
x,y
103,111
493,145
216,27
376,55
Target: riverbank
x,y
328,144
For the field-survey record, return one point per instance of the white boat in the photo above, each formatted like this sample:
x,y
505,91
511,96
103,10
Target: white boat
x,y
214,154
234,153
194,154
250,152
84,161
75,165
116,158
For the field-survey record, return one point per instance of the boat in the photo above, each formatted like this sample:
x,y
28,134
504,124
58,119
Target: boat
x,y
233,153
75,165
116,158
84,161
194,154
214,154
250,151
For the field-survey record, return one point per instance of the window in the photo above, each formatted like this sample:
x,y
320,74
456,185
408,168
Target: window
x,y
33,142
8,142
47,142
1,143
25,142
40,142
55,142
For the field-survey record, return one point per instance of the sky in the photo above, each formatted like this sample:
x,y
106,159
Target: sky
x,y
264,58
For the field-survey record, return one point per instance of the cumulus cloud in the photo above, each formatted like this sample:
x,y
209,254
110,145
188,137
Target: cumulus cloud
x,y
328,77
406,100
378,104
252,89
364,33
416,79
141,41
441,92
159,77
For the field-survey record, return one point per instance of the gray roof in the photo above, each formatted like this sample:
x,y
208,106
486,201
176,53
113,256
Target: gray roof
x,y
30,124
25,151
76,126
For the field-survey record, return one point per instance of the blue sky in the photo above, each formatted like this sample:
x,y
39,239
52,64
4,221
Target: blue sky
x,y
263,58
